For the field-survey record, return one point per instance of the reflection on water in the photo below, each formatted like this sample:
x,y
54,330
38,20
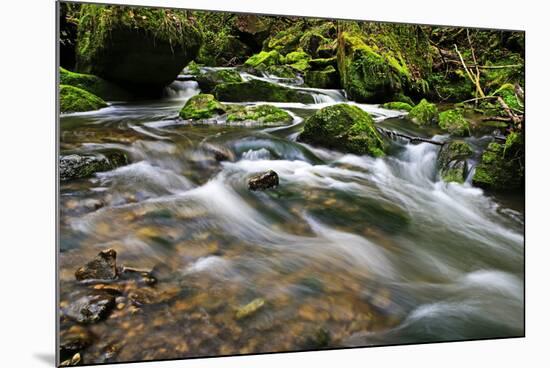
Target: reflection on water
x,y
347,251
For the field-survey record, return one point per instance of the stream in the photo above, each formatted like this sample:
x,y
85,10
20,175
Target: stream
x,y
368,251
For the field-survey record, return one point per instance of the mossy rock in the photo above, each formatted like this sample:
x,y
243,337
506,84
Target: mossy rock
x,y
327,78
210,79
264,59
74,99
262,114
201,106
452,161
297,60
257,90
396,105
77,166
322,63
425,113
93,84
344,127
281,71
138,47
453,122
501,166
287,40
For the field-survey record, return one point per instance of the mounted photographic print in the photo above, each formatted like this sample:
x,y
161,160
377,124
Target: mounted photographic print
x,y
234,183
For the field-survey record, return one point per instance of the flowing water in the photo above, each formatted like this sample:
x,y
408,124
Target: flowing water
x,y
369,251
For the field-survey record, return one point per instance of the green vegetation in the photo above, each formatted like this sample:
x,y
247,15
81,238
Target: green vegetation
x,y
396,105
257,90
74,99
93,84
424,113
453,122
201,106
327,78
344,127
263,114
208,80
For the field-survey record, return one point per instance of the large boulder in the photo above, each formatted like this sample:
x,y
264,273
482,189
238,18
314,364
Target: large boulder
x,y
502,165
344,127
76,166
138,47
453,122
203,106
452,161
257,90
209,79
74,99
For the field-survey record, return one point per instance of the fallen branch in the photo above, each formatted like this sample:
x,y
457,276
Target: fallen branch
x,y
498,118
412,139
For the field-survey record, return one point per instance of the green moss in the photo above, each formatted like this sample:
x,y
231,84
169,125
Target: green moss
x,y
452,161
93,84
508,94
74,99
257,90
396,105
287,40
210,79
501,166
327,78
264,59
322,63
281,71
453,122
111,38
201,106
298,60
344,127
263,114
424,113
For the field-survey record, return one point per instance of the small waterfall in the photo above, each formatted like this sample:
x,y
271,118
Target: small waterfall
x,y
182,90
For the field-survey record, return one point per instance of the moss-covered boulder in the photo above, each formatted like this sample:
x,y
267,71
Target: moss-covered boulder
x,y
453,122
93,84
327,78
286,40
257,90
281,71
321,63
501,166
452,161
210,79
264,59
137,47
262,114
424,113
397,105
74,99
343,127
297,60
201,106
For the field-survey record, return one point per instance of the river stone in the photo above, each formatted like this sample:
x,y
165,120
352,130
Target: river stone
x,y
73,341
77,166
316,338
257,90
220,153
263,181
453,122
452,161
91,309
209,79
74,99
102,267
249,309
425,113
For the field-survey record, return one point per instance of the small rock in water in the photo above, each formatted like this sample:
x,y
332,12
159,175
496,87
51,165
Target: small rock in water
x,y
102,267
320,338
75,360
91,309
76,339
263,181
220,153
250,308
141,276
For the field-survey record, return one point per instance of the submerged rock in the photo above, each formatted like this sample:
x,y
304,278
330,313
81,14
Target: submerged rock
x,y
73,341
102,267
397,105
203,106
220,153
452,161
142,48
453,122
424,113
210,79
257,90
91,309
249,309
74,99
263,181
501,166
76,166
344,127
315,339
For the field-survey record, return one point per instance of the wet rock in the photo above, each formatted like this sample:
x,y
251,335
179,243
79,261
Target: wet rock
x,y
327,78
453,122
73,341
257,90
249,309
317,339
75,360
452,161
397,105
93,204
425,113
91,309
102,267
202,106
263,181
343,127
262,114
76,166
209,79
143,277
74,99
220,153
